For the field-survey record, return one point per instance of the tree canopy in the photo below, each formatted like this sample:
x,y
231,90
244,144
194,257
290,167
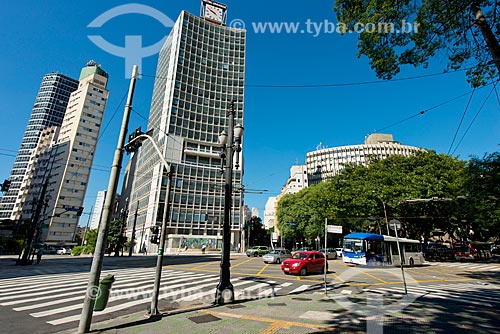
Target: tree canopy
x,y
463,30
427,192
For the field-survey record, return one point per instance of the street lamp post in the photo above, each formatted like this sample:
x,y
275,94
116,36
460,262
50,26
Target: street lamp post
x,y
135,141
385,212
231,143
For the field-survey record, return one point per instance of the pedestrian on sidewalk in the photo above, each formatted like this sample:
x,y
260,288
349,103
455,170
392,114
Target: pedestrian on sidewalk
x,y
144,249
39,254
203,249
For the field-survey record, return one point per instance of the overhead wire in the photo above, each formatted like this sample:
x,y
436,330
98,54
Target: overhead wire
x,y
475,117
462,119
339,84
427,110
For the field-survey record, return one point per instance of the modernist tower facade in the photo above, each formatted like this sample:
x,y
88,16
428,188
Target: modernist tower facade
x,y
48,110
201,70
327,162
61,173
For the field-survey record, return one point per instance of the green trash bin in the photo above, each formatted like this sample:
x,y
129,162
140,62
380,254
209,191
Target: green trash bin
x,y
103,292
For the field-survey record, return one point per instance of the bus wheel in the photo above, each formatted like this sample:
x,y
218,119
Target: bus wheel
x,y
412,263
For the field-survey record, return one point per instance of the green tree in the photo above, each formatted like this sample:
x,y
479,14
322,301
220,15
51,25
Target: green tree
x,y
355,198
458,28
115,236
258,235
482,201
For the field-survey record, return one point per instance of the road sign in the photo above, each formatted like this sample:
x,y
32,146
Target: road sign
x,y
274,237
334,229
394,223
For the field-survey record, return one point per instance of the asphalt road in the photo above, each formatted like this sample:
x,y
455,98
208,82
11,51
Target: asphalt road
x,y
47,298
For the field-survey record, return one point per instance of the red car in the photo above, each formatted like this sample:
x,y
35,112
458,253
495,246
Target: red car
x,y
302,263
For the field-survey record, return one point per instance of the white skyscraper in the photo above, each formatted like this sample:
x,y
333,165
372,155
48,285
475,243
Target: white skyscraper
x,y
71,156
48,110
201,71
96,215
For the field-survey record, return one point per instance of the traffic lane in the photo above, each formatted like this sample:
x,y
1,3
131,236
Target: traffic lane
x,y
338,273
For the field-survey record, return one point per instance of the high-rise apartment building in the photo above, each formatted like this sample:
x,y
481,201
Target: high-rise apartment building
x,y
201,70
97,212
48,110
327,162
66,168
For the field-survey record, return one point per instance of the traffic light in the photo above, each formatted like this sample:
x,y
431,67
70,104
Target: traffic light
x,y
79,211
6,185
155,234
133,145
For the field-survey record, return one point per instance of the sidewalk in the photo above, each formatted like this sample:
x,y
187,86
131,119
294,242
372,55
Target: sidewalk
x,y
287,314
291,314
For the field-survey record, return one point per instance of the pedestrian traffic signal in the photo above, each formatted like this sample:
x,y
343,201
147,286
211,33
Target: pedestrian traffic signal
x,y
6,185
79,212
155,234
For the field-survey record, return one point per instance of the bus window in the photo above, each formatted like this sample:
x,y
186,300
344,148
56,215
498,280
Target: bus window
x,y
353,246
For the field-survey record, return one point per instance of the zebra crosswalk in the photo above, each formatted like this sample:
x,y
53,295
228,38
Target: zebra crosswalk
x,y
57,299
469,266
485,295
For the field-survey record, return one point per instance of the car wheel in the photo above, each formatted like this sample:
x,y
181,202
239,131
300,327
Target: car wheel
x,y
412,263
303,271
278,261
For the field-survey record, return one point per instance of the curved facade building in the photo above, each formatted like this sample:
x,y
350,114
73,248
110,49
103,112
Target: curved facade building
x,y
326,162
48,110
201,70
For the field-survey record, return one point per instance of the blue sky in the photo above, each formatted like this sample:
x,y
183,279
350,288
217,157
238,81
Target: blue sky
x,y
281,124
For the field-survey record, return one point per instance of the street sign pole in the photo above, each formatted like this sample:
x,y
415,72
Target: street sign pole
x,y
397,224
326,251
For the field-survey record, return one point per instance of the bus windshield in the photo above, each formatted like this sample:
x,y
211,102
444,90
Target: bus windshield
x,y
353,246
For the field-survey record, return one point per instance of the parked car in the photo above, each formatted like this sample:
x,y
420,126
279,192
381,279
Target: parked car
x,y
439,252
338,251
331,253
64,251
277,256
257,251
50,250
302,263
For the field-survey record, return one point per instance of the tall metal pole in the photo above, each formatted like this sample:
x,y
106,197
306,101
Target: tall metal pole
x,y
159,260
132,239
400,258
87,226
326,250
95,270
386,220
225,293
34,223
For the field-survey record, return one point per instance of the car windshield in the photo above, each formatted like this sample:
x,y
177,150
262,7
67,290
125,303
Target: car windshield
x,y
274,252
300,256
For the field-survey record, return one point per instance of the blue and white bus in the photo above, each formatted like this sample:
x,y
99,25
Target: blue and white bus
x,y
380,250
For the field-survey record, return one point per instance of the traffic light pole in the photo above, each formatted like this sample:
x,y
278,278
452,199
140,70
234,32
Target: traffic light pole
x,y
132,239
159,260
135,141
34,222
97,262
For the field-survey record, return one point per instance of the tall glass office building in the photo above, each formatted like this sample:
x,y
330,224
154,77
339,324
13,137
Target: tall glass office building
x,y
201,70
48,110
